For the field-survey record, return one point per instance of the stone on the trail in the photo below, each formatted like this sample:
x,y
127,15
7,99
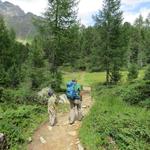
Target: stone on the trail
x,y
80,147
78,139
43,141
71,144
3,142
66,123
84,106
63,99
77,142
29,139
49,128
2,137
72,133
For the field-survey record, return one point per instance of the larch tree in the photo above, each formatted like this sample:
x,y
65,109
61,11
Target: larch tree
x,y
109,20
58,21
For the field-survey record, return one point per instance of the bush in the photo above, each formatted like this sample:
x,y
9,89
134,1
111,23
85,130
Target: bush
x,y
147,74
133,72
19,122
145,103
136,93
17,96
116,76
56,81
112,124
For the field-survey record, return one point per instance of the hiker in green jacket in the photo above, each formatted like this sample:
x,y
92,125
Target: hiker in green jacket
x,y
74,95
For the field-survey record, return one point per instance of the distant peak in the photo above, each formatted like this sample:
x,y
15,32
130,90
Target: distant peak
x,y
8,3
9,9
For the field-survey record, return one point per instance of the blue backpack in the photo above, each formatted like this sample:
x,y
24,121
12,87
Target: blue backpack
x,y
71,92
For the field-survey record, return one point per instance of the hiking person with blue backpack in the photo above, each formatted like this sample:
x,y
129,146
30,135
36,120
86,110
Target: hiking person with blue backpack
x,y
75,98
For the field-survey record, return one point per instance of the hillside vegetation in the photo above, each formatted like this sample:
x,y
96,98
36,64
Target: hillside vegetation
x,y
113,124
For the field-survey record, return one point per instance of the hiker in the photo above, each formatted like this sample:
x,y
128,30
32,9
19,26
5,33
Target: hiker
x,y
52,102
75,98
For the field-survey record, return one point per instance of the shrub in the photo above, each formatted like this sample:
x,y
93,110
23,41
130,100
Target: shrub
x,y
112,124
116,76
147,74
133,72
56,81
145,103
136,93
17,122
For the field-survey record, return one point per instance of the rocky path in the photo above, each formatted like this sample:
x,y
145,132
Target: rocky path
x,y
62,136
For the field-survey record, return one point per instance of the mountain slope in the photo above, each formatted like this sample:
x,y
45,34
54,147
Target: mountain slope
x,y
17,19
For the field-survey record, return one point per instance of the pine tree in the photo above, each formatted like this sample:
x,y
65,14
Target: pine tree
x,y
147,37
60,17
90,43
139,41
36,64
109,20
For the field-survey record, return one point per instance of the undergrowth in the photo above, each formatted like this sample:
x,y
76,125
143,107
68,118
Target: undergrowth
x,y
114,124
19,123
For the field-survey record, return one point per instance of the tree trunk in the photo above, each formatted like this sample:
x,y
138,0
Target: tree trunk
x,y
107,76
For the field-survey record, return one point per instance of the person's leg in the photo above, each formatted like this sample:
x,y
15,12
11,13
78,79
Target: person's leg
x,y
72,112
80,115
52,117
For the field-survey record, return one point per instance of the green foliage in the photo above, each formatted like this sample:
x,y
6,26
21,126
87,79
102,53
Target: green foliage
x,y
109,21
90,41
58,32
133,72
23,95
115,77
18,123
112,124
56,80
12,56
147,73
36,64
137,93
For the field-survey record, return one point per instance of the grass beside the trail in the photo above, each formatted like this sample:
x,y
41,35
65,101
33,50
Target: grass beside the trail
x,y
19,123
113,124
90,79
84,78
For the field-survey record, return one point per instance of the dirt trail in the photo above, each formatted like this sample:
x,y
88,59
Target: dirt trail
x,y
62,136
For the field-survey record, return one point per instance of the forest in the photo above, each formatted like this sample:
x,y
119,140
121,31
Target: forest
x,y
114,57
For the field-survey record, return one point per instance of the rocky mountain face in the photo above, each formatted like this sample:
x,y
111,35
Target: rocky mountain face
x,y
17,19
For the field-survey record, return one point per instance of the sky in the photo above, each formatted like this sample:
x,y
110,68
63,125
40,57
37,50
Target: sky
x,y
87,8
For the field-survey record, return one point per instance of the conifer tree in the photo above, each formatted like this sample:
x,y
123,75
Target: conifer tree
x,y
109,20
60,17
